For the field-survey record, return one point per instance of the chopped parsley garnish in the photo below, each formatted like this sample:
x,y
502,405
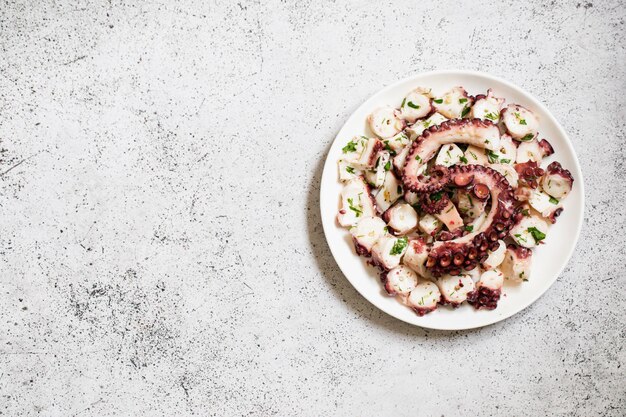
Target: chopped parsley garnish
x,y
418,158
448,153
388,166
538,235
469,228
438,100
474,155
350,147
523,239
526,212
350,170
413,106
403,101
521,121
492,156
491,116
466,110
462,100
469,197
387,147
528,137
554,200
463,159
426,124
399,246
354,208
436,196
505,161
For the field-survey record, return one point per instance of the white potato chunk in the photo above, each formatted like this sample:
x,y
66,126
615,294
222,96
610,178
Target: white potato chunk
x,y
384,122
390,192
388,250
520,122
356,203
449,155
430,225
529,232
474,156
366,232
401,280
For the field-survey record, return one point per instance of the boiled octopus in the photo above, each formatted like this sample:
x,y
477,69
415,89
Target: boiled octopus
x,y
450,196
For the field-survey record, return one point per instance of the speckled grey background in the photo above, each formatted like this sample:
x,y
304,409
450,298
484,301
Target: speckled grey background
x,y
160,244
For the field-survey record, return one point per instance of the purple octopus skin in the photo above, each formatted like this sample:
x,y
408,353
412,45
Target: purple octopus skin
x,y
484,298
529,173
431,205
466,252
555,168
545,146
471,131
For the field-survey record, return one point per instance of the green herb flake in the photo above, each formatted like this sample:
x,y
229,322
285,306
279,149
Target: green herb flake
x,y
350,147
526,212
523,239
469,228
418,158
528,137
438,100
463,159
403,102
388,166
554,200
436,196
466,110
492,156
399,246
491,116
474,155
350,170
538,235
355,209
462,100
413,106
505,161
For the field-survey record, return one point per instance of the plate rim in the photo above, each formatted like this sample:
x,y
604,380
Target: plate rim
x,y
328,164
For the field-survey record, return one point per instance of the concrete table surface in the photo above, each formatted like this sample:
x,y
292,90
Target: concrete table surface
x,y
161,246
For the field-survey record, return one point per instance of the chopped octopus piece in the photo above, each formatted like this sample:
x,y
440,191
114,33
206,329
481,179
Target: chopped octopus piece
x,y
548,206
390,192
369,156
470,206
455,288
416,105
507,152
508,172
415,256
557,181
347,172
517,263
520,122
533,151
356,202
424,298
419,126
529,173
397,143
529,231
376,177
388,250
454,104
487,107
400,280
488,290
450,217
354,149
366,232
495,257
385,123
402,218
449,155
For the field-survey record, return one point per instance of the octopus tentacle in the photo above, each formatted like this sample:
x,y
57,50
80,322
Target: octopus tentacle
x,y
482,133
468,251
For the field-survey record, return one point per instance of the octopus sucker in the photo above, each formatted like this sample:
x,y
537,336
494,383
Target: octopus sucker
x,y
481,133
450,197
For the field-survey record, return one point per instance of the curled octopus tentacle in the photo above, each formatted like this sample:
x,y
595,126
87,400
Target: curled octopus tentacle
x,y
466,252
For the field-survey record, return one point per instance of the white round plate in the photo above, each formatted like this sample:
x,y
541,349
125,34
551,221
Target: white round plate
x,y
549,260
